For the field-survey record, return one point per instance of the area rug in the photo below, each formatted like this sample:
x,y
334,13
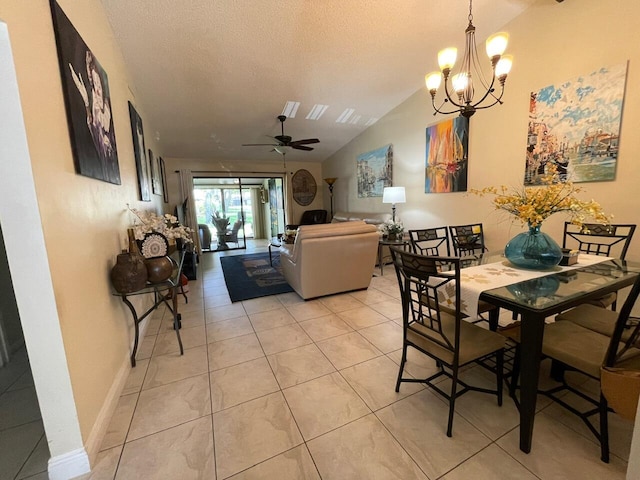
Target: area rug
x,y
251,276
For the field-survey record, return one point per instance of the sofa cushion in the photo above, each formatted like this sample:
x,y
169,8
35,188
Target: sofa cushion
x,y
372,218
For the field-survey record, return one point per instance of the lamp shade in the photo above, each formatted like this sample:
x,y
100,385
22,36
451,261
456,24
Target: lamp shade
x,y
393,195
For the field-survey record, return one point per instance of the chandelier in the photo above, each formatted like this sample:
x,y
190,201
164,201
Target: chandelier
x,y
459,88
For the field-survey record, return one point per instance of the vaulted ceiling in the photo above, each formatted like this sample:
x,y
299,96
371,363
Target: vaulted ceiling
x,y
214,74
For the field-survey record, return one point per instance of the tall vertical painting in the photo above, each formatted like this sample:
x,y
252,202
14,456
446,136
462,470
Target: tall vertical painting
x,y
139,152
88,103
447,157
375,171
575,126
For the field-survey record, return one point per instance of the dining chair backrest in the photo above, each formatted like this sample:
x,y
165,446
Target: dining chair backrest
x,y
617,348
430,241
420,277
608,240
467,239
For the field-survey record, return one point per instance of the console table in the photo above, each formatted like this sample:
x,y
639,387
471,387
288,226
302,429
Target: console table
x,y
162,293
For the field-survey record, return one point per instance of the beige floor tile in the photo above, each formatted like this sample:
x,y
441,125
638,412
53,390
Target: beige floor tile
x,y
145,347
386,337
419,423
195,304
290,298
283,338
348,349
388,283
253,432
136,377
16,444
184,452
323,404
371,296
324,327
271,319
418,365
341,302
225,312
362,317
234,351
375,381
490,464
169,368
153,325
299,365
228,329
559,452
240,383
390,309
294,464
168,342
18,407
212,301
308,310
262,304
120,422
363,449
189,320
170,405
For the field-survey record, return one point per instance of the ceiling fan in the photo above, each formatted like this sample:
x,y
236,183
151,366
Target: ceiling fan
x,y
285,141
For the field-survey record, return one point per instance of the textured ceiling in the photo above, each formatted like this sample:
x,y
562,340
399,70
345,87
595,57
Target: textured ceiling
x,y
214,74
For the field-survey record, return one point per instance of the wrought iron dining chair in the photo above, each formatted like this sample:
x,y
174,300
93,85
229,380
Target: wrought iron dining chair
x,y
440,332
430,241
596,239
467,239
587,351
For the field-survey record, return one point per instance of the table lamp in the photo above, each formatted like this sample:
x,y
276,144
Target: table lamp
x,y
393,195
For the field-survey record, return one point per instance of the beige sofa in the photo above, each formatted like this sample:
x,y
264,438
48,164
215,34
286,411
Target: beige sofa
x,y
368,217
330,258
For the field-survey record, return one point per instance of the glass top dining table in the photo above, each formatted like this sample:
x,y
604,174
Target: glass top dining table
x,y
535,300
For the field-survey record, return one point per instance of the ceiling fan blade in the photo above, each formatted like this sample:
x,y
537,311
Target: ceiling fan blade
x,y
259,145
304,142
283,138
301,147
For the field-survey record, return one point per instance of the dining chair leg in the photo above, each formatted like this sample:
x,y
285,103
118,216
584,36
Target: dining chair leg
x,y
604,430
557,371
402,362
499,373
452,399
515,373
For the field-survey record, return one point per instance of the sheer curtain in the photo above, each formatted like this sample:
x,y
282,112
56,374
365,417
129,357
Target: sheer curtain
x,y
186,192
288,200
257,208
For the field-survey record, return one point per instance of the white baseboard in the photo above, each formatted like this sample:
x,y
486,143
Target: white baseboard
x,y
99,430
69,465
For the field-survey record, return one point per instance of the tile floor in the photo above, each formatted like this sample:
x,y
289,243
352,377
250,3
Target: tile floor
x,y
279,388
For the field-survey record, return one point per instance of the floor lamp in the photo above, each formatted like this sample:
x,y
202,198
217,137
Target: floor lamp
x,y
393,195
330,182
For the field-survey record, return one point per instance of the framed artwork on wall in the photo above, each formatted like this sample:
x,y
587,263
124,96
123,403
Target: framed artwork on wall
x,y
304,187
155,174
139,152
163,178
575,126
88,103
375,171
447,156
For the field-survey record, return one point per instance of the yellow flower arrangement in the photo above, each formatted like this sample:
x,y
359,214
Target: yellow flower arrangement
x,y
532,205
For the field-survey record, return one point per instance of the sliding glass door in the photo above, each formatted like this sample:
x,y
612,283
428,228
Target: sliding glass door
x,y
231,210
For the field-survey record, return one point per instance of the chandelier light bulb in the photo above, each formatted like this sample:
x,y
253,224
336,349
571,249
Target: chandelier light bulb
x,y
460,82
503,67
497,44
433,81
447,58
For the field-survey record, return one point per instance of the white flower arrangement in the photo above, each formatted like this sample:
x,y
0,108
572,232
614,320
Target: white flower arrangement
x,y
167,224
391,228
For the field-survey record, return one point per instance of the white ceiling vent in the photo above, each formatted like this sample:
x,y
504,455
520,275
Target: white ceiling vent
x,y
317,111
344,116
290,109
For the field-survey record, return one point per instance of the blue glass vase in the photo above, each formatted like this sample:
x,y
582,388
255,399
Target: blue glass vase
x,y
534,250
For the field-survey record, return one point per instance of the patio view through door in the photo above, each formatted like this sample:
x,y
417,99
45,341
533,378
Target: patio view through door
x,y
230,210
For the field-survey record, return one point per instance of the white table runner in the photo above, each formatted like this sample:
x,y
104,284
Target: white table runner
x,y
475,280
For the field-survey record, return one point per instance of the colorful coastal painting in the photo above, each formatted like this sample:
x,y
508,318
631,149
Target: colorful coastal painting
x,y
375,169
447,156
575,125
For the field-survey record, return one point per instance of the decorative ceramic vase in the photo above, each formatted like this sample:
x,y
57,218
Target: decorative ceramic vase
x,y
129,274
159,269
534,250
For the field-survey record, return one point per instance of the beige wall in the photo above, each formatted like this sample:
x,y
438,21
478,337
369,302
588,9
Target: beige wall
x,y
223,167
84,220
551,42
